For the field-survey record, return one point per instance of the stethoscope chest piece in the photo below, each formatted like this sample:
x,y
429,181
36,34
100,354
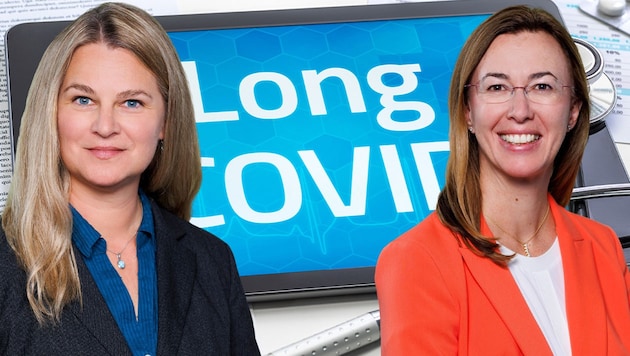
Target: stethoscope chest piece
x,y
602,92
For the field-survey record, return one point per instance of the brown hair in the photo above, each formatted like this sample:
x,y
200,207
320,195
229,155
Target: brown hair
x,y
459,203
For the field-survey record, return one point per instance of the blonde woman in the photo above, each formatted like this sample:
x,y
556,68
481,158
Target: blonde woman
x,y
96,254
501,268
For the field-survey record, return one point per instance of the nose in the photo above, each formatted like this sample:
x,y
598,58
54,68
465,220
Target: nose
x,y
520,109
106,123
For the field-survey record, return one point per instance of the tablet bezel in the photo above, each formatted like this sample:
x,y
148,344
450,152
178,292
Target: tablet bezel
x,y
25,43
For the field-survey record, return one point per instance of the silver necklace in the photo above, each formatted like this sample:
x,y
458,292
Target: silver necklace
x,y
121,264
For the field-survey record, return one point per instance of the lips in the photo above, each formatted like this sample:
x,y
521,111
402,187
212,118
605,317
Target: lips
x,y
105,152
520,139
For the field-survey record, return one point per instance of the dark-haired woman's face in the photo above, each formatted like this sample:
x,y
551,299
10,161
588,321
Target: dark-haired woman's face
x,y
520,106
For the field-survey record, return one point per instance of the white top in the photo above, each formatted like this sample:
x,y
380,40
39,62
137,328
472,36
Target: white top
x,y
541,281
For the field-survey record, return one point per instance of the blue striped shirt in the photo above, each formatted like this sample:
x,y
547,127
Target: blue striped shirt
x,y
141,334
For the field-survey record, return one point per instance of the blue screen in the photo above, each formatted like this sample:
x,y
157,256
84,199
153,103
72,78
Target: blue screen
x,y
320,143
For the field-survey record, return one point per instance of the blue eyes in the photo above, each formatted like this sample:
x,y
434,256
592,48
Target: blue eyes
x,y
82,100
131,103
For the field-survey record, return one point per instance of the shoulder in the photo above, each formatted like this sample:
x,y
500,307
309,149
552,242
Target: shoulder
x,y
576,227
16,318
179,240
10,271
582,226
429,247
173,226
420,277
428,237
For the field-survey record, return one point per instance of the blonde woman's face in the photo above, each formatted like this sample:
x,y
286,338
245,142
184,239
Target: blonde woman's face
x,y
521,106
110,119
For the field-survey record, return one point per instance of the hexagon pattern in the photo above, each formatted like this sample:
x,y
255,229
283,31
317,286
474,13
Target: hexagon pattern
x,y
308,178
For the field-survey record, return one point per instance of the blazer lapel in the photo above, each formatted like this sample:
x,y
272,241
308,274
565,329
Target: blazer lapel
x,y
176,271
503,293
586,312
93,313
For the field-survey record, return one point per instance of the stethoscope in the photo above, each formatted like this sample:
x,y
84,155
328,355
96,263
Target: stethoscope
x,y
603,98
602,91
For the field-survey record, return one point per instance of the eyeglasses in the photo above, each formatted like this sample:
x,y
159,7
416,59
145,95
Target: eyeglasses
x,y
495,90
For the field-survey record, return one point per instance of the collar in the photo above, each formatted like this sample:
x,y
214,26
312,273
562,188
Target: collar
x,y
86,238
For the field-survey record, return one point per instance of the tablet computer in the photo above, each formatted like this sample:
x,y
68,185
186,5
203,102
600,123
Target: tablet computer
x,y
323,131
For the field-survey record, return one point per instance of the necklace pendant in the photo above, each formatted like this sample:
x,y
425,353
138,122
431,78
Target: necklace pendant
x,y
525,248
121,263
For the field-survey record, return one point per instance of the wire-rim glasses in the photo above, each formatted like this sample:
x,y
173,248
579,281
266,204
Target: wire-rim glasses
x,y
541,91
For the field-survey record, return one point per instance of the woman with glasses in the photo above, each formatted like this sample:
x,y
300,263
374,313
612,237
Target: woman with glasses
x,y
501,267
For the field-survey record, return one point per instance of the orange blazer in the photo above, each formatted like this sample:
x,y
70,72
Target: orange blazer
x,y
437,297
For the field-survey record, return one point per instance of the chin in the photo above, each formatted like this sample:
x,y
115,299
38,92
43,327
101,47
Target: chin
x,y
108,182
526,174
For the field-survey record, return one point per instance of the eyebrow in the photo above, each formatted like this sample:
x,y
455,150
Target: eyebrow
x,y
532,76
121,95
133,93
80,87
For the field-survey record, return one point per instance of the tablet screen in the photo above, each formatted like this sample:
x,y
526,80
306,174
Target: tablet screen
x,y
320,143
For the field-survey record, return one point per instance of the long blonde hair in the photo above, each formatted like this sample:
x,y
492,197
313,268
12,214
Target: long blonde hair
x,y
37,220
459,203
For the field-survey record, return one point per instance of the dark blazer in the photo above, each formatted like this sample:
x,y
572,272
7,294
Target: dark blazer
x,y
201,304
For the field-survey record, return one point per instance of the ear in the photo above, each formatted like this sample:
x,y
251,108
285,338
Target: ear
x,y
468,115
574,114
162,129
